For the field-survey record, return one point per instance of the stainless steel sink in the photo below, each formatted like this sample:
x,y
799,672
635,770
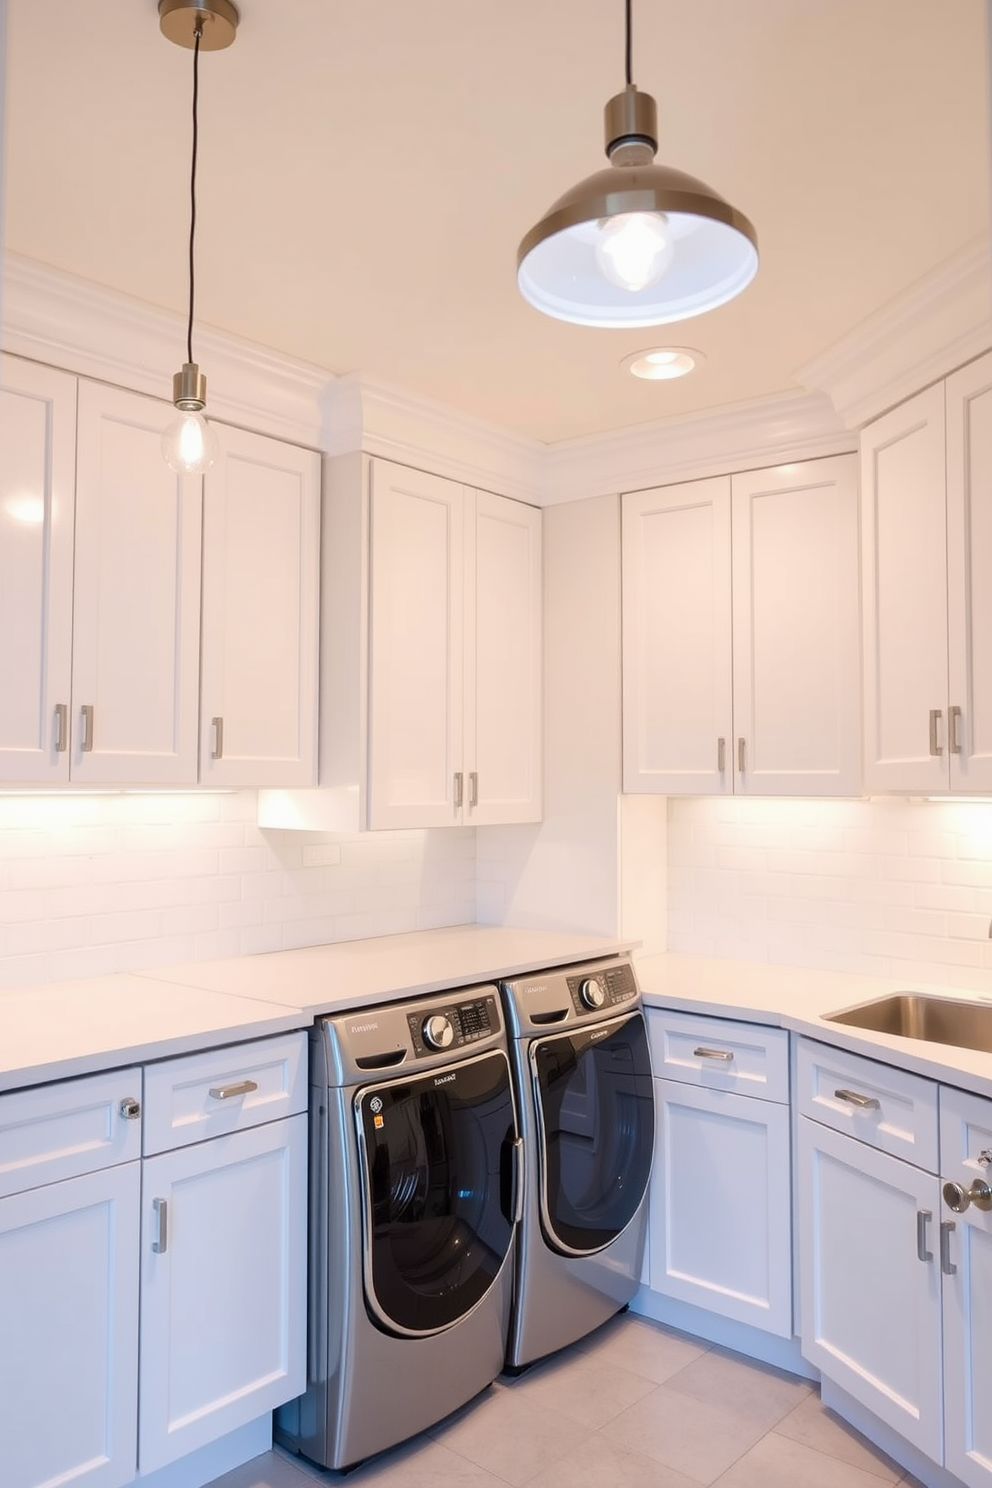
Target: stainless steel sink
x,y
913,1015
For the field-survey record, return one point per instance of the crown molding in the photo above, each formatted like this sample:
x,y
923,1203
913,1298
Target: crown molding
x,y
365,413
54,317
938,324
795,426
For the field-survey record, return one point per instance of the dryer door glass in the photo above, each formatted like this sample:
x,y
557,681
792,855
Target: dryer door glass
x,y
437,1163
595,1105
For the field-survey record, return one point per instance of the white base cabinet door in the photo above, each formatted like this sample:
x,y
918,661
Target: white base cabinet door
x,y
69,1332
223,1286
720,1233
871,1306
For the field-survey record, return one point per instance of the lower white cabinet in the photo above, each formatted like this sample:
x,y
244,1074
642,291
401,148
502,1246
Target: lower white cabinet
x,y
720,1227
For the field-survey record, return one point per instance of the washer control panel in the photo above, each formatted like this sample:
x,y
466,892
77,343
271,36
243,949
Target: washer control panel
x,y
452,1026
602,987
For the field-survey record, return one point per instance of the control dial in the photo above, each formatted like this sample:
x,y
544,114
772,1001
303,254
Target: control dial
x,y
438,1031
591,992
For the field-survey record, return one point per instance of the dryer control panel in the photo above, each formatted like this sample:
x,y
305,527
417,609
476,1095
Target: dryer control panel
x,y
452,1026
603,987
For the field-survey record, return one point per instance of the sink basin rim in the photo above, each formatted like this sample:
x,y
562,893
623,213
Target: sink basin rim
x,y
922,1017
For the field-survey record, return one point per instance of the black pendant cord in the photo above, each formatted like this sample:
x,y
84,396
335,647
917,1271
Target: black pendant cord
x,y
192,186
629,47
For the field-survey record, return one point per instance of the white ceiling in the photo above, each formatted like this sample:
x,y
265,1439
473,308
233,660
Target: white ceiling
x,y
368,167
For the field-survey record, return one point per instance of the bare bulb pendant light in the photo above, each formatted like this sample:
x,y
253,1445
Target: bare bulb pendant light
x,y
189,444
636,244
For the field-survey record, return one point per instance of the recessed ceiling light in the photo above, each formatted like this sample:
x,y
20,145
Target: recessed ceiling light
x,y
661,363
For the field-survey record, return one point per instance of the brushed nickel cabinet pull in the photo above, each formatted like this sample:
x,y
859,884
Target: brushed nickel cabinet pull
x,y
473,788
218,727
724,1055
225,1092
946,1264
160,1214
953,738
935,717
61,727
923,1218
853,1098
740,756
459,784
86,718
721,755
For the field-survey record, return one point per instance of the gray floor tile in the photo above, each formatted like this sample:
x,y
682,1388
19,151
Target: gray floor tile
x,y
763,1394
577,1386
697,1438
601,1463
643,1347
778,1462
512,1438
812,1424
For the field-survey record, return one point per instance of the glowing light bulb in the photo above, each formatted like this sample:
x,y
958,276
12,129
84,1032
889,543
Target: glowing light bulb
x,y
634,249
189,444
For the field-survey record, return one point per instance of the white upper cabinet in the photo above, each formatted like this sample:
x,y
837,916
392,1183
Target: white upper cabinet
x,y
37,496
136,598
258,654
926,543
741,634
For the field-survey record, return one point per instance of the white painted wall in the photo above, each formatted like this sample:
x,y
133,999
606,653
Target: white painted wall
x,y
100,883
894,888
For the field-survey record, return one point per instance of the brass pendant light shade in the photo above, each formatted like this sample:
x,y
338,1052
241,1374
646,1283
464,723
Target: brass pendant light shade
x,y
636,244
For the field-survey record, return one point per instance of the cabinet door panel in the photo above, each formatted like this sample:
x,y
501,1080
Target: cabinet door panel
x,y
136,600
676,639
69,1332
796,629
870,1307
504,651
720,1232
415,648
37,497
223,1303
259,629
969,567
904,567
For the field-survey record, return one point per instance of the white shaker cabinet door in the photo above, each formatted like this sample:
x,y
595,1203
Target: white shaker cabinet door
x,y
797,648
969,568
904,578
503,649
261,553
416,643
37,495
69,1332
136,599
870,1280
677,676
223,1286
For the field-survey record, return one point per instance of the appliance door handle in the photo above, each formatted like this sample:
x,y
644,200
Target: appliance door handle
x,y
517,1208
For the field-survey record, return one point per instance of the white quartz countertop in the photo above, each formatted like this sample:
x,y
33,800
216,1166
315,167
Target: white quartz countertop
x,y
797,998
58,1030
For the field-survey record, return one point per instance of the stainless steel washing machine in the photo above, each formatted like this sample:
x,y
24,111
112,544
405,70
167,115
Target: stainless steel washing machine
x,y
415,1181
582,1067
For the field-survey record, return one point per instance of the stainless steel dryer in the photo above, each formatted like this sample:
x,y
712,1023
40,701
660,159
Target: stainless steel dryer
x,y
583,1071
415,1177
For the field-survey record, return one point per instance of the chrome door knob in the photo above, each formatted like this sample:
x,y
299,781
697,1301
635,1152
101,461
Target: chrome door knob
x,y
958,1198
438,1031
591,993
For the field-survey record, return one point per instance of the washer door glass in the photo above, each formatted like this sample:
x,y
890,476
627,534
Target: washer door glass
x,y
595,1104
438,1173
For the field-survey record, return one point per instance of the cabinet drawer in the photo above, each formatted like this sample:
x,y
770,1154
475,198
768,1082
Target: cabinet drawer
x,y
720,1053
887,1108
224,1090
64,1130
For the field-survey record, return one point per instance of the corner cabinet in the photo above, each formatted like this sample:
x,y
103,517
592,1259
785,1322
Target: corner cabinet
x,y
741,634
926,475
431,656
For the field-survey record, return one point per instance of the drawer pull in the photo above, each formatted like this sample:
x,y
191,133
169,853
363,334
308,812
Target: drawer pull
x,y
129,1108
227,1092
86,719
160,1213
726,1055
721,755
953,739
923,1218
853,1098
61,727
935,716
958,1198
946,1264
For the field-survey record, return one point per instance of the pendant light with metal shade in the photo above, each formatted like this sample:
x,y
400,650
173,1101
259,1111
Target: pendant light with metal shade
x,y
636,244
189,444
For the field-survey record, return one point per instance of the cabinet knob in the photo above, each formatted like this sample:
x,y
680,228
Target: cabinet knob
x,y
130,1108
958,1198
